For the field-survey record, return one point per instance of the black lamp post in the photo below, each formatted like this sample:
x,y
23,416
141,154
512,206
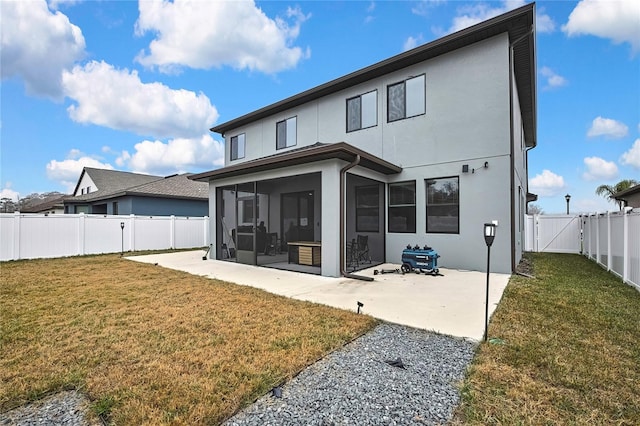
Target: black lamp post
x,y
568,198
489,235
122,228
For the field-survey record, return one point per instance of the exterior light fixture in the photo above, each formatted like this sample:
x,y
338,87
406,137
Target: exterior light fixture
x,y
122,229
568,198
489,236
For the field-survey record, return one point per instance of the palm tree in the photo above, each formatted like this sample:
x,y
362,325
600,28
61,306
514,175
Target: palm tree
x,y
610,191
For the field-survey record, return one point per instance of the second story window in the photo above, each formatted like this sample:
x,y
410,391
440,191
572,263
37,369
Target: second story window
x,y
237,146
406,99
362,111
286,133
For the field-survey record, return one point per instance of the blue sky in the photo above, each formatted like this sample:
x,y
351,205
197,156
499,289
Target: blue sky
x,y
136,86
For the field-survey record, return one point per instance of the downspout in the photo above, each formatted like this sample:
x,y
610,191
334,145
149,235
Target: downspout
x,y
511,150
343,173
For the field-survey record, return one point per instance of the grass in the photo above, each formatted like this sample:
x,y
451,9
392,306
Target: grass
x,y
150,345
567,350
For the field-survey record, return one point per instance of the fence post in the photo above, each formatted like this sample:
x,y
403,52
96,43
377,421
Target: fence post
x,y
172,232
597,238
536,217
16,235
81,236
132,232
625,245
608,241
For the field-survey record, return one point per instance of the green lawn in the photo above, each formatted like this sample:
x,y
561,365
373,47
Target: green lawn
x,y
150,345
565,350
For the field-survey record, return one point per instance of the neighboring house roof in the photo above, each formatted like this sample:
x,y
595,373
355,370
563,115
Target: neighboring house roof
x,y
630,196
113,183
518,23
630,191
304,155
46,204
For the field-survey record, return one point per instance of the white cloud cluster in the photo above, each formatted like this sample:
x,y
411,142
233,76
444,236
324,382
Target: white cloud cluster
x,y
553,80
632,157
412,42
477,12
599,169
37,45
119,100
607,127
617,20
176,156
67,172
207,34
546,184
9,193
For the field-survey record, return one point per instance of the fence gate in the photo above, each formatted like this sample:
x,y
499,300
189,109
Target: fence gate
x,y
554,233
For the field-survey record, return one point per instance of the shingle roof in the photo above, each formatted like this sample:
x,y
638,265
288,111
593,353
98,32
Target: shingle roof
x,y
304,155
45,204
110,182
114,183
177,186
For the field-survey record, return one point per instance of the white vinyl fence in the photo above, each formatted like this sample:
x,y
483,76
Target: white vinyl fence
x,y
31,236
611,239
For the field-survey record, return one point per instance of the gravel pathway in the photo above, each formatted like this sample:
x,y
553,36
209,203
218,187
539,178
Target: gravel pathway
x,y
394,375
357,386
67,408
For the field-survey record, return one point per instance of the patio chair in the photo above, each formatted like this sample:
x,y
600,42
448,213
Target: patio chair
x,y
273,244
362,249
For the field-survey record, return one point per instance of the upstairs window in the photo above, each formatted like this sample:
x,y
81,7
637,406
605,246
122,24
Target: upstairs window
x,y
362,111
237,146
406,99
286,133
402,207
443,205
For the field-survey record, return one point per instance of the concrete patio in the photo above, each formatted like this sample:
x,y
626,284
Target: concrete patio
x,y
452,304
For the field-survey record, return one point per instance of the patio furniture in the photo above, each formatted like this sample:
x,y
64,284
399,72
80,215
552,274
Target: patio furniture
x,y
305,252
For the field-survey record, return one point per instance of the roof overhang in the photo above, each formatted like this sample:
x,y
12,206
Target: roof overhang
x,y
518,23
313,153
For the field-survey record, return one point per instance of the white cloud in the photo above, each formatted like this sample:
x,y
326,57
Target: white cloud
x,y
544,23
599,169
632,157
616,20
412,42
67,172
553,80
176,156
546,184
37,45
423,7
607,127
477,12
119,100
9,193
207,34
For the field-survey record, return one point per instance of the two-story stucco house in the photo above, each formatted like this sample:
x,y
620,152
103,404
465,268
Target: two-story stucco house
x,y
422,149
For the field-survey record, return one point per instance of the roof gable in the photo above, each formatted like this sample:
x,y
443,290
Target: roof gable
x,y
518,23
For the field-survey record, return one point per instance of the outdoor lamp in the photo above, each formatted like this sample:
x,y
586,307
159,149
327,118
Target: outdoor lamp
x,y
568,198
122,229
489,235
